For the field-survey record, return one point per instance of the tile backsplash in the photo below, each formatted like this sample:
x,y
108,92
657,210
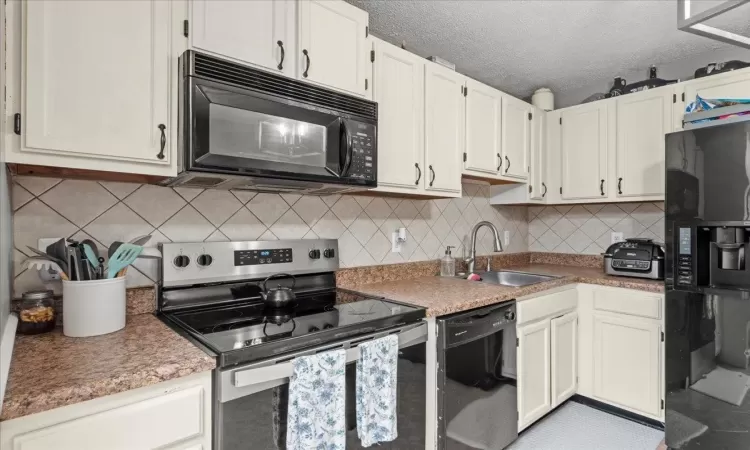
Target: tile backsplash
x,y
587,228
108,211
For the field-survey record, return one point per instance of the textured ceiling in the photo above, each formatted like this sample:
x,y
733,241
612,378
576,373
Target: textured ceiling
x,y
519,46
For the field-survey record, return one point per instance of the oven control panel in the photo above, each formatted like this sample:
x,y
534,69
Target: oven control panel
x,y
364,155
264,256
191,263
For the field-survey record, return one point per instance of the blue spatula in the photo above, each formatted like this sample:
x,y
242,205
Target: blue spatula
x,y
125,255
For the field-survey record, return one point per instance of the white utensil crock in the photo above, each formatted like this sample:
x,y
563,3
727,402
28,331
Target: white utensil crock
x,y
92,308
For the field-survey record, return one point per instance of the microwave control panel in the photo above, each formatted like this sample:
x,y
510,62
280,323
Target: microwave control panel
x,y
364,157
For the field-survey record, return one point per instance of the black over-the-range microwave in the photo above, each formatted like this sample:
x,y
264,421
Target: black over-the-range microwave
x,y
245,128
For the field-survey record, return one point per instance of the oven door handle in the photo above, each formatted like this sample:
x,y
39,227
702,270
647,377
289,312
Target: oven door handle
x,y
256,379
349,149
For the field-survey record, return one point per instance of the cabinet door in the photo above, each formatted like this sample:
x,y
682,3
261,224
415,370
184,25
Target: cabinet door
x,y
97,79
533,370
564,331
399,90
643,119
537,156
626,363
444,128
583,138
483,114
332,47
735,84
258,32
516,136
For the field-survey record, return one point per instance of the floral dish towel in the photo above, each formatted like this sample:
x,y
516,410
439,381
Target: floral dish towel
x,y
317,397
376,391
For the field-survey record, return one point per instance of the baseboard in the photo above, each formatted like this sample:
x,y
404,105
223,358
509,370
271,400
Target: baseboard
x,y
606,407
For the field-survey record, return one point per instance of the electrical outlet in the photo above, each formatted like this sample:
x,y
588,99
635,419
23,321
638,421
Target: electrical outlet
x,y
396,242
506,238
616,236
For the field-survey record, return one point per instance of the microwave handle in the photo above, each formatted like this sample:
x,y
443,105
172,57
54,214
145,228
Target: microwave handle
x,y
347,150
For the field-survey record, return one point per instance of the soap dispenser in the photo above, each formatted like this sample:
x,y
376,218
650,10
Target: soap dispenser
x,y
448,264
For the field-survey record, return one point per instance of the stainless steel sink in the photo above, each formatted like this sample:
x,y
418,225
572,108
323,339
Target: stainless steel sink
x,y
515,279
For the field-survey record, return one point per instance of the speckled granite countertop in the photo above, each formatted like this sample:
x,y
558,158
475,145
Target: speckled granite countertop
x,y
450,295
51,370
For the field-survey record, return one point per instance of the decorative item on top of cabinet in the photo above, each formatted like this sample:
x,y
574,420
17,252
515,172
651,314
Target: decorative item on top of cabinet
x,y
113,112
444,129
643,119
516,137
258,32
584,143
333,50
398,87
483,119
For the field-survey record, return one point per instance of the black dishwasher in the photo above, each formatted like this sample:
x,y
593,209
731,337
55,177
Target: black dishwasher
x,y
477,406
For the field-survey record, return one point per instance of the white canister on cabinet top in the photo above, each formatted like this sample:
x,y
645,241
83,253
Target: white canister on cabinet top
x,y
543,98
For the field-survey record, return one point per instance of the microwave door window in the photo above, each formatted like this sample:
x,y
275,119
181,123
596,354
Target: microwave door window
x,y
239,133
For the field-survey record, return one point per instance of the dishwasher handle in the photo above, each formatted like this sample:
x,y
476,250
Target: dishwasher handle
x,y
476,324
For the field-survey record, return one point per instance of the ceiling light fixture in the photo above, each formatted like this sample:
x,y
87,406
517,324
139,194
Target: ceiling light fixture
x,y
694,24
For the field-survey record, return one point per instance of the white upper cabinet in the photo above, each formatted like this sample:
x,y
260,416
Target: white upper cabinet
x,y
332,45
258,32
444,128
483,117
516,135
538,157
735,84
642,121
398,87
583,147
98,85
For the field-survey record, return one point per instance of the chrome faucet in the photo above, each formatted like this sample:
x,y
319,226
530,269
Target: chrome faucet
x,y
473,255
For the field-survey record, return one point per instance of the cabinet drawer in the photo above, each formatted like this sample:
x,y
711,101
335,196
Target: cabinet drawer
x,y
152,423
546,306
626,301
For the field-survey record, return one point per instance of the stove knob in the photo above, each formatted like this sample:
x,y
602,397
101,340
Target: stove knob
x,y
329,253
181,261
314,254
327,326
313,329
510,315
205,260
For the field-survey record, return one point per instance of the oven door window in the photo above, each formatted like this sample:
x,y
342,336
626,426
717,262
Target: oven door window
x,y
259,420
240,131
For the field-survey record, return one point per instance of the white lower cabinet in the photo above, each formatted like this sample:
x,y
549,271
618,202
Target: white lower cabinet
x,y
547,351
599,342
564,351
627,363
533,372
174,415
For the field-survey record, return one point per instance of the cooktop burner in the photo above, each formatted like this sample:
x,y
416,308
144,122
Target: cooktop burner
x,y
214,291
315,317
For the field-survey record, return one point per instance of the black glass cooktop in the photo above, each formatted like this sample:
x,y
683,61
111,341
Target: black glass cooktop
x,y
248,331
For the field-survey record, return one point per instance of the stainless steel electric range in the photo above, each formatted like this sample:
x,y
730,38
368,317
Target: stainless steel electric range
x,y
213,293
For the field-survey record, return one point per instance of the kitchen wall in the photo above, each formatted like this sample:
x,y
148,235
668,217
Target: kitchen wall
x,y
588,228
683,69
105,212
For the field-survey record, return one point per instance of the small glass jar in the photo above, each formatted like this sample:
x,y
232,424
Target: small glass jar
x,y
37,314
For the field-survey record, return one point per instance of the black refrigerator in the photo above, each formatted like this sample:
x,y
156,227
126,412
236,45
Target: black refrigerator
x,y
707,280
